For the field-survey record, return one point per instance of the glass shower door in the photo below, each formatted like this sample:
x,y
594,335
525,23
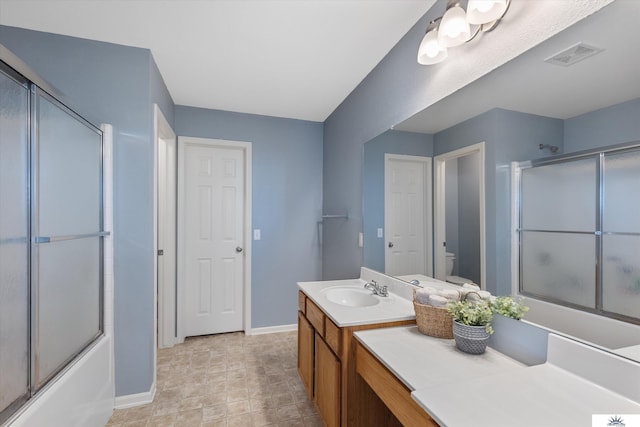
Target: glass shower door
x,y
558,232
14,244
67,242
580,231
621,234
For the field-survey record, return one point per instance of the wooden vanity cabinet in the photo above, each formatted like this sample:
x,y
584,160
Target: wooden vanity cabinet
x,y
327,366
306,346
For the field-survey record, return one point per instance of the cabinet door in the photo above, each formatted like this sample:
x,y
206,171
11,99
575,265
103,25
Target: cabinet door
x,y
305,353
327,383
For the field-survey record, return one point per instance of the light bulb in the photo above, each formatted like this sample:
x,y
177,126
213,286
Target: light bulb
x,y
484,11
484,5
430,51
454,29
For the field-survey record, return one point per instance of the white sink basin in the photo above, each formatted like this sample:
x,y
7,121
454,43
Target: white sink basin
x,y
351,297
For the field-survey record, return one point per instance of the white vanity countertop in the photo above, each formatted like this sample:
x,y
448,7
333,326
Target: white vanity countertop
x,y
460,390
397,307
542,395
422,361
390,309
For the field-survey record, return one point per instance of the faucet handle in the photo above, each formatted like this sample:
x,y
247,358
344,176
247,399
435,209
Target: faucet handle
x,y
384,292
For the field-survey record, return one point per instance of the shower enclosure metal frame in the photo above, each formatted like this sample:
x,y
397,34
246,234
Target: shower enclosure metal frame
x,y
599,156
36,89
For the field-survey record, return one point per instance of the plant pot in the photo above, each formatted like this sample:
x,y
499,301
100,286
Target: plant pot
x,y
470,339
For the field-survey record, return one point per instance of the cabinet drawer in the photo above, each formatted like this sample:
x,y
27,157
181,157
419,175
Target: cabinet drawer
x,y
315,316
332,335
301,302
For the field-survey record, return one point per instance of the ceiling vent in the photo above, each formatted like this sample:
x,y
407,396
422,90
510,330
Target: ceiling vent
x,y
573,54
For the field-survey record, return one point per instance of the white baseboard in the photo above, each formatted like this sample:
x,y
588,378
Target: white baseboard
x,y
131,400
272,329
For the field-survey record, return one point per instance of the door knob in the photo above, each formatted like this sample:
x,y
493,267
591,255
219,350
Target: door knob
x,y
238,249
390,244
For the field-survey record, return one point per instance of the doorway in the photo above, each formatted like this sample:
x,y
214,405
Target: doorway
x,y
214,220
165,228
460,216
407,216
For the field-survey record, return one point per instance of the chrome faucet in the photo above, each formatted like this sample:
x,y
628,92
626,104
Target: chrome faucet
x,y
377,289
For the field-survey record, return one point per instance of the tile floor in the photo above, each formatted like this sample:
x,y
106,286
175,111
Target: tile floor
x,y
226,380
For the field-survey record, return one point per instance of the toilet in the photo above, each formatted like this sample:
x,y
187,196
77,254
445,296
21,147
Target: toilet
x,y
457,280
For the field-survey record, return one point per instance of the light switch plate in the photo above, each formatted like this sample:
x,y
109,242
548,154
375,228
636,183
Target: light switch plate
x,y
380,234
256,234
360,239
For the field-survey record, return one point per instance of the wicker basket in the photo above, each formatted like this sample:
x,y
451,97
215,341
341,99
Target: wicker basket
x,y
433,321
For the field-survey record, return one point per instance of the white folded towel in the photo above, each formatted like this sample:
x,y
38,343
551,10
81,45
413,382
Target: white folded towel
x,y
471,286
477,295
438,301
422,296
472,296
450,294
484,294
429,290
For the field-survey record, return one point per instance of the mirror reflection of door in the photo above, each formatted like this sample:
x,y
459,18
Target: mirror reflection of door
x,y
407,204
459,219
462,220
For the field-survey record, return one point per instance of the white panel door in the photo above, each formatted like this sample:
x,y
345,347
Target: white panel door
x,y
408,245
214,210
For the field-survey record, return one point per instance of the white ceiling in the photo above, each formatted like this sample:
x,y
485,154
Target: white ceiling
x,y
285,58
529,85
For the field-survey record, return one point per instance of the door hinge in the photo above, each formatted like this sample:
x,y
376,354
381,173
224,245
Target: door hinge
x,y
160,252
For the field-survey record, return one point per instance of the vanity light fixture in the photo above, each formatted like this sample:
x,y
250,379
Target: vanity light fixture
x,y
430,50
457,27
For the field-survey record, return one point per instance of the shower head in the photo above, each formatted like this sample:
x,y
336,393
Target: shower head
x,y
553,148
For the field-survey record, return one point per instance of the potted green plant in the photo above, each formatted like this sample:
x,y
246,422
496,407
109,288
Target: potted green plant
x,y
471,325
509,307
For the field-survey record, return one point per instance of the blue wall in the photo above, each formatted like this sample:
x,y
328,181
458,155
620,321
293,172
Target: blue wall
x,y
391,93
287,202
118,85
508,136
114,84
512,136
608,126
395,142
395,90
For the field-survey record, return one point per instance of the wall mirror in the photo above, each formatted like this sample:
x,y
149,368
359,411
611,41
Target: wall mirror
x,y
578,90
